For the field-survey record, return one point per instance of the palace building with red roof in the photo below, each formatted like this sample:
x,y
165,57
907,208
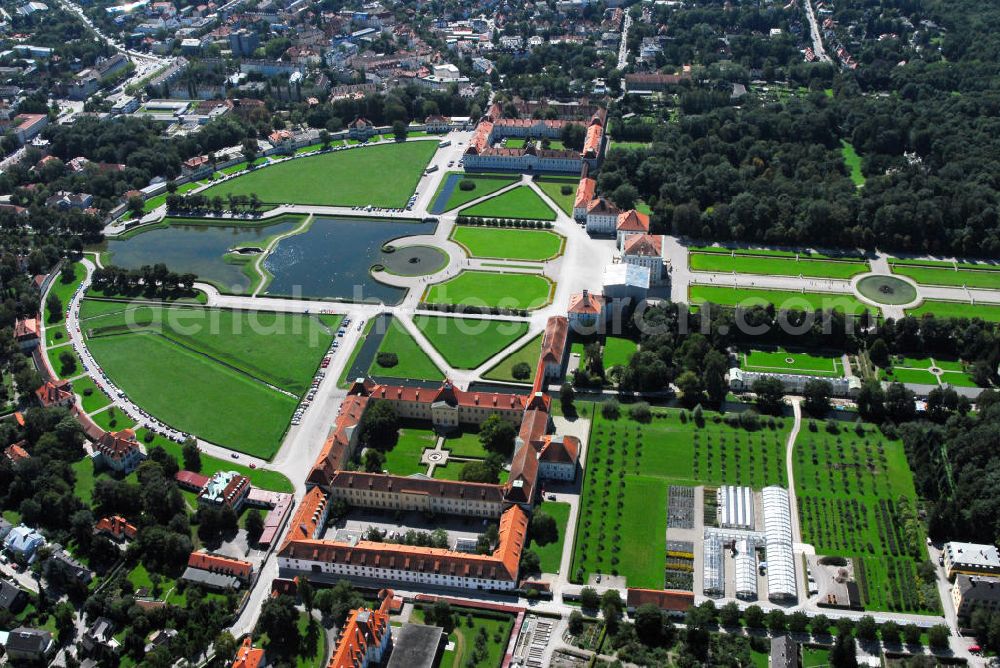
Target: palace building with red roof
x,y
118,451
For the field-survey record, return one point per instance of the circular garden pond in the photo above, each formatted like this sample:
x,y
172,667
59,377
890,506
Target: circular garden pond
x,y
412,260
890,290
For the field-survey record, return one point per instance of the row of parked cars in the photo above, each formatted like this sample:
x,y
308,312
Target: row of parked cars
x,y
320,374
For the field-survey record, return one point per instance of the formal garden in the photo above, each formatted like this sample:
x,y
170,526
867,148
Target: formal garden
x,y
955,274
520,366
467,343
856,500
400,356
780,360
461,188
782,299
750,262
478,638
926,371
521,203
508,244
487,289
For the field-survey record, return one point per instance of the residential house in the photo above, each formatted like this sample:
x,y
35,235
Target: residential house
x,y
118,451
116,527
584,196
553,353
66,200
602,216
12,598
361,129
55,393
629,223
15,453
366,638
26,332
645,250
558,457
24,644
248,656
437,123
216,563
23,542
197,167
99,640
225,488
71,568
585,310
971,593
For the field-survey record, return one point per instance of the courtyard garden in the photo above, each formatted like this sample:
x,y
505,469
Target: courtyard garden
x,y
550,554
856,500
384,175
400,356
248,368
511,368
520,203
782,299
926,371
749,262
404,457
485,289
780,360
630,466
479,638
466,343
508,244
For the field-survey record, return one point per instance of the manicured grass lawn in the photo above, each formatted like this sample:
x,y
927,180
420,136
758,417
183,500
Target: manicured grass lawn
x,y
552,186
97,399
955,277
344,381
849,488
86,480
278,348
404,458
943,309
628,145
515,142
112,419
976,265
384,175
629,510
452,471
64,291
466,444
904,375
467,343
853,162
226,407
490,289
916,370
786,299
618,351
750,264
413,361
56,334
783,361
815,658
508,244
551,554
484,185
521,202
804,253
57,366
528,353
497,627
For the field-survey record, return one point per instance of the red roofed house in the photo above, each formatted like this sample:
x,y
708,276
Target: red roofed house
x,y
55,393
117,527
585,309
645,250
197,166
225,488
437,123
248,656
118,451
191,481
282,139
366,637
602,216
629,223
557,458
15,452
675,603
26,332
550,362
584,196
361,128
215,563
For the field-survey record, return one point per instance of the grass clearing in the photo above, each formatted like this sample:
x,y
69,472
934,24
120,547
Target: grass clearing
x,y
855,494
492,290
521,203
630,510
96,400
528,353
384,175
466,444
508,244
618,351
853,162
466,343
404,458
752,264
782,299
413,362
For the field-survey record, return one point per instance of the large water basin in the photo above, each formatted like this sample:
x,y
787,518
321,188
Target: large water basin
x,y
333,257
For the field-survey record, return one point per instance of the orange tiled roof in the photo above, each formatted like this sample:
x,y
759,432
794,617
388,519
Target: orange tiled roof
x,y
585,302
15,452
26,328
248,656
364,628
559,450
54,392
665,599
307,516
116,444
645,245
336,449
481,139
632,221
585,192
219,564
117,526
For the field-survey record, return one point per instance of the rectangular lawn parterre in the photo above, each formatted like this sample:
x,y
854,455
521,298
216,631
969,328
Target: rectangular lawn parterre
x,y
528,354
944,309
989,279
782,299
492,289
466,343
483,184
550,554
194,393
618,351
413,362
753,264
384,175
507,243
521,202
653,456
856,499
466,444
404,457
777,361
553,187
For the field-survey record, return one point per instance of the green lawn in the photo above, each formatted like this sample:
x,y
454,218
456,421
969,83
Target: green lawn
x,y
630,466
61,370
802,253
853,162
989,279
95,400
228,407
466,343
508,244
483,184
618,351
628,145
491,289
56,334
384,175
112,419
552,186
413,361
466,444
785,299
551,554
496,626
916,370
752,264
783,361
943,309
849,489
404,458
528,353
64,291
521,202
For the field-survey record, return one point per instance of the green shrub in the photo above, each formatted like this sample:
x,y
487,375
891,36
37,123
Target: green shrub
x,y
521,371
467,185
566,190
387,360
